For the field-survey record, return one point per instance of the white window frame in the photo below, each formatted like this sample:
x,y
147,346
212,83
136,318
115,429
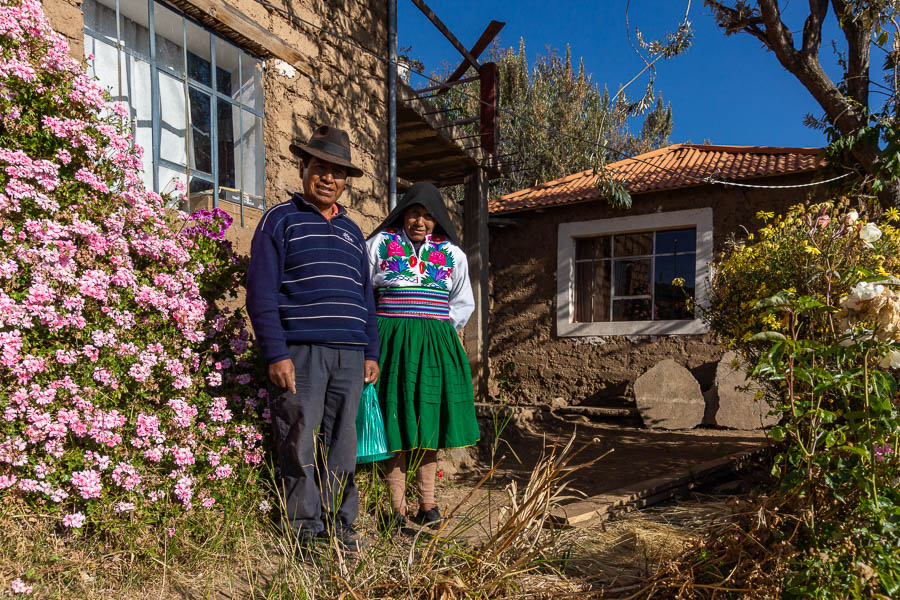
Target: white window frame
x,y
700,218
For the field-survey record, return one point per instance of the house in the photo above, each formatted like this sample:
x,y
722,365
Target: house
x,y
582,294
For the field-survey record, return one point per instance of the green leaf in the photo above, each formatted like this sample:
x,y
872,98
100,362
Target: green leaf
x,y
779,299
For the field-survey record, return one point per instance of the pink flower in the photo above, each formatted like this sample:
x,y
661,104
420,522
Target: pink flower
x,y
19,587
437,257
395,249
74,520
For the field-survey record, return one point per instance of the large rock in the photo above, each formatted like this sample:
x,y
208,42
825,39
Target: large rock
x,y
741,402
669,397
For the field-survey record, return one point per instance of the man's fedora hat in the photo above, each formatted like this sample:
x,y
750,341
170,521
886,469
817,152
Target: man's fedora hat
x,y
328,143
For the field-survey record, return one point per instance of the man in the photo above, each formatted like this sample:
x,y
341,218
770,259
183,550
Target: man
x,y
311,304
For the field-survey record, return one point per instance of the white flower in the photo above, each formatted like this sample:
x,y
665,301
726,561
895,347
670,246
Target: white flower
x,y
851,218
870,233
866,290
891,360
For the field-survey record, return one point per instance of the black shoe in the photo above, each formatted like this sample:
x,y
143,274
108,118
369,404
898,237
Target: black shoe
x,y
350,540
304,544
429,517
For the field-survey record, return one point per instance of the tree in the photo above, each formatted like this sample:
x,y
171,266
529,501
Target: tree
x,y
554,120
851,120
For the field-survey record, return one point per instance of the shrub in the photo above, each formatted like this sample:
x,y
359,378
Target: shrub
x,y
814,304
127,395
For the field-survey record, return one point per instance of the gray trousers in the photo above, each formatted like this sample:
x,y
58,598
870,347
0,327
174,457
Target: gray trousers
x,y
317,477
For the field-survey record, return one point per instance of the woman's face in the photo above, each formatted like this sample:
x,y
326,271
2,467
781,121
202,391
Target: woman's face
x,y
417,222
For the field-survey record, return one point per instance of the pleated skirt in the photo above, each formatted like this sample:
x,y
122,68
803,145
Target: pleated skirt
x,y
425,387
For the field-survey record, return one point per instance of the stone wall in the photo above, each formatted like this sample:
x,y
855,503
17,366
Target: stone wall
x,y
530,364
345,87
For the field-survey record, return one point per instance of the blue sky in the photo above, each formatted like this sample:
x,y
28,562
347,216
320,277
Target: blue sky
x,y
724,89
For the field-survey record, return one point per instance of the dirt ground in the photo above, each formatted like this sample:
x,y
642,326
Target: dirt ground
x,y
637,454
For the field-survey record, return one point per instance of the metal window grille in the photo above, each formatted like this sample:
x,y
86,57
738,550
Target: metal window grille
x,y
631,276
202,88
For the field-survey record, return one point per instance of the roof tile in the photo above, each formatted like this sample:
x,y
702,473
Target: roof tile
x,y
676,166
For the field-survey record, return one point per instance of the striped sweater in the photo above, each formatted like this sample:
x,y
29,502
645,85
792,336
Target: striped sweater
x,y
309,282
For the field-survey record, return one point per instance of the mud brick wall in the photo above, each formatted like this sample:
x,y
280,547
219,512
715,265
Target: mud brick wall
x,y
346,87
530,364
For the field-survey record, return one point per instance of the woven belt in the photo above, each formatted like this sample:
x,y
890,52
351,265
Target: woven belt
x,y
413,302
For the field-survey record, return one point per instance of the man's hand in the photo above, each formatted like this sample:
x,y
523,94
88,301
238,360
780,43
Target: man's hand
x,y
282,374
372,371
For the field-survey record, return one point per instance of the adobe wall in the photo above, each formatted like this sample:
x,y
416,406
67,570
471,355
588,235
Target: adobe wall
x,y
529,364
347,88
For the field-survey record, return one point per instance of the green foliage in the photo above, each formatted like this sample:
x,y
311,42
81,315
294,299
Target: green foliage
x,y
554,120
813,304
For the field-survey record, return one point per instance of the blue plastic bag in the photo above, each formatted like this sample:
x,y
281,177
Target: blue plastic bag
x,y
371,441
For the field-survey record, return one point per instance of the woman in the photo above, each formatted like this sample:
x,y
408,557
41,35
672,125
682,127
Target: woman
x,y
423,295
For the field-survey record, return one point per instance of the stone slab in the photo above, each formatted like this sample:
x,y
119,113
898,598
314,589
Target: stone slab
x,y
669,397
741,401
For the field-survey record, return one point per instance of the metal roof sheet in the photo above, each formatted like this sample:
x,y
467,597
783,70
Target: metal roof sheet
x,y
675,166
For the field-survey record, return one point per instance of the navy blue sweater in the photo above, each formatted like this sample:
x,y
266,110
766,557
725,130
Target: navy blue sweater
x,y
309,282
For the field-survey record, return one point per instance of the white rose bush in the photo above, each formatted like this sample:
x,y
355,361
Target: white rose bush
x,y
128,395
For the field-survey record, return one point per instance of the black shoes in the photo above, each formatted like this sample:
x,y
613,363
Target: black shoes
x,y
349,540
432,516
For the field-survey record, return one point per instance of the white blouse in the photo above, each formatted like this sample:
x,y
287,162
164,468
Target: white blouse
x,y
439,265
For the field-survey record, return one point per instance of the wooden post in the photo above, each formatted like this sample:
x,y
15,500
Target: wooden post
x,y
475,241
489,74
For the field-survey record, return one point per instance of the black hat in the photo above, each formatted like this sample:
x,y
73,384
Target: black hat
x,y
328,143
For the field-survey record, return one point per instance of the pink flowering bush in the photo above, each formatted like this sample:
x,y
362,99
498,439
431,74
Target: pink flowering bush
x,y
125,388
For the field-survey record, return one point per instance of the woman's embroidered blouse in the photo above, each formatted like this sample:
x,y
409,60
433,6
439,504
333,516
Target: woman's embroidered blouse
x,y
432,283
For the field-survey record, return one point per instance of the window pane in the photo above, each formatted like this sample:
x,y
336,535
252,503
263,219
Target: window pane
x,y
168,179
136,74
105,66
169,31
681,240
199,54
634,309
632,277
173,116
100,18
201,130
633,244
251,82
227,68
253,176
670,299
200,194
589,248
592,291
228,121
135,26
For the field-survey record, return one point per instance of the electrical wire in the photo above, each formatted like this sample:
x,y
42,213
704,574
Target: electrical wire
x,y
698,179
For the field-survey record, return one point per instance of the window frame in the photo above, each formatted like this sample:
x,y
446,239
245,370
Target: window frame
x,y
158,67
566,326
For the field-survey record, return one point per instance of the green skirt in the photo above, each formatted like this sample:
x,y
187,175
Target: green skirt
x,y
425,387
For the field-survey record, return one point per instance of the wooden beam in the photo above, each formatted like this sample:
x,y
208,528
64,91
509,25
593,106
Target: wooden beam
x,y
232,18
486,38
420,4
475,242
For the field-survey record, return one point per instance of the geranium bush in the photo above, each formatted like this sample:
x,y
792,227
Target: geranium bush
x,y
814,304
127,392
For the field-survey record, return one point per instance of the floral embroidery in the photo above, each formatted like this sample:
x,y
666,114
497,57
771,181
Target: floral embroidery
x,y
435,263
393,252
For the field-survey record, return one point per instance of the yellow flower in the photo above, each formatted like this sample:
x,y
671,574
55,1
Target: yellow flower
x,y
892,214
678,281
811,250
765,216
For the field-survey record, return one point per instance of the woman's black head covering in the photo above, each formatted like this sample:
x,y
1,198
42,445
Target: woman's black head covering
x,y
428,196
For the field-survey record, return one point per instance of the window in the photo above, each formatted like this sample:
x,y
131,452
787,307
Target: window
x,y
195,99
621,276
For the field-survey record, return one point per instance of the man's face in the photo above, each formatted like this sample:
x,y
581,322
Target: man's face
x,y
323,182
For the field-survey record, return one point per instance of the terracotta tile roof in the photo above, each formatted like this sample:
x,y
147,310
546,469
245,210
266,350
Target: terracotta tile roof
x,y
676,166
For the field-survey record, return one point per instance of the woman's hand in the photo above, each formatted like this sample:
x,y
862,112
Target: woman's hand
x,y
372,371
282,374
